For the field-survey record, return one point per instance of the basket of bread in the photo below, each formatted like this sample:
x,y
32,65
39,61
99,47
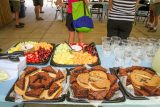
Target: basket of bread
x,y
39,84
96,83
139,81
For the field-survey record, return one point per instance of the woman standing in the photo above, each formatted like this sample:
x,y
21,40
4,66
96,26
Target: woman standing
x,y
69,22
121,17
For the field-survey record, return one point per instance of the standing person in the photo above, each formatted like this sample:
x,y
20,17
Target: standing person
x,y
16,10
151,17
155,7
69,22
41,6
121,17
37,4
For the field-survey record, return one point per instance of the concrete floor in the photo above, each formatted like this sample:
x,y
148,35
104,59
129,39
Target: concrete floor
x,y
54,31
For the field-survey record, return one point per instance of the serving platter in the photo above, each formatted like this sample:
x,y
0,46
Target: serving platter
x,y
37,53
50,81
131,89
116,97
64,56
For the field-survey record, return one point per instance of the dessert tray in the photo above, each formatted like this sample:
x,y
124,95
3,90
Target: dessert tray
x,y
93,84
44,84
35,52
139,82
66,55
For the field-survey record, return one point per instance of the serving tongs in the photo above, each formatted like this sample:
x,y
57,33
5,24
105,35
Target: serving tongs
x,y
16,53
12,56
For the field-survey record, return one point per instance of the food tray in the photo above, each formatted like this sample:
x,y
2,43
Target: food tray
x,y
41,63
12,99
11,95
116,100
128,94
64,65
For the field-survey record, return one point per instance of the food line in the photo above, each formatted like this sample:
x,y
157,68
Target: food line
x,y
104,63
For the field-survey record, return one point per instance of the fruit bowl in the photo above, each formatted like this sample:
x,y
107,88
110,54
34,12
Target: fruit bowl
x,y
75,55
35,52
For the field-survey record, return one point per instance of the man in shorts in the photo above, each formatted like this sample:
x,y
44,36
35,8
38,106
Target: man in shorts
x,y
38,4
16,10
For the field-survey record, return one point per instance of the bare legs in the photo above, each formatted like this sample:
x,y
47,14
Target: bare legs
x,y
41,11
80,37
156,21
41,5
17,17
18,23
41,8
37,11
71,38
153,19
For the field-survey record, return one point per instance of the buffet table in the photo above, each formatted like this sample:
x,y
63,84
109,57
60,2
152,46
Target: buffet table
x,y
105,62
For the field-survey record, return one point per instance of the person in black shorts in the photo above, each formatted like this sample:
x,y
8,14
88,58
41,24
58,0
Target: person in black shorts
x,y
121,16
37,4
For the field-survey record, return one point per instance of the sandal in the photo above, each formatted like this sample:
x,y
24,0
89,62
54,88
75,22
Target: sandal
x,y
39,18
42,12
20,23
148,25
19,26
152,29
